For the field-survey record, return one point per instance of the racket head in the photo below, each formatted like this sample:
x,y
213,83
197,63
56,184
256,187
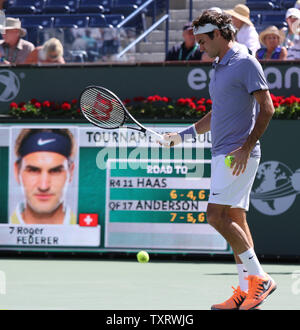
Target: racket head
x,y
102,107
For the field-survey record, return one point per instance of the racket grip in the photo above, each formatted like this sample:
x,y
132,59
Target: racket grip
x,y
164,142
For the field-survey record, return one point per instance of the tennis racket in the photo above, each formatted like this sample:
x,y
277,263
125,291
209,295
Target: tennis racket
x,y
104,109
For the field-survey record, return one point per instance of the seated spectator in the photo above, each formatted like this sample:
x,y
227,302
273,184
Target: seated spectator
x,y
51,52
297,4
271,38
111,42
294,50
14,49
291,16
246,34
188,50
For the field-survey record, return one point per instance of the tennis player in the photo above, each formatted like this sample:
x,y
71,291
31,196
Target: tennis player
x,y
241,110
44,168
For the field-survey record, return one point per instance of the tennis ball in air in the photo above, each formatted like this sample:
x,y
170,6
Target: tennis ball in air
x,y
142,257
228,160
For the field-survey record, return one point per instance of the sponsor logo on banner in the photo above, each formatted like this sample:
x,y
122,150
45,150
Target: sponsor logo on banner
x,y
198,79
9,85
88,219
275,188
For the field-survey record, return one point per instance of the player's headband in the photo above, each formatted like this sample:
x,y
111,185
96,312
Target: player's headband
x,y
46,141
211,27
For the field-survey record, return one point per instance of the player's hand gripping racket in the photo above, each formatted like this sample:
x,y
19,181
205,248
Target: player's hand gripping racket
x,y
104,109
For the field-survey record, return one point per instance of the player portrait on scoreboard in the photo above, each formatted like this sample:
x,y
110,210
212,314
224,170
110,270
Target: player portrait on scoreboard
x,y
43,176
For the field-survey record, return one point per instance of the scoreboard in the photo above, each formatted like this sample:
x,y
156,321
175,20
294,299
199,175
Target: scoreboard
x,y
126,193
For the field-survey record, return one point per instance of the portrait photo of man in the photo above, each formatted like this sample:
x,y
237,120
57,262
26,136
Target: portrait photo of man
x,y
42,177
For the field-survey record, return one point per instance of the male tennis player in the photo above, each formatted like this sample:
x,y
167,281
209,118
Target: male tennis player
x,y
238,89
44,168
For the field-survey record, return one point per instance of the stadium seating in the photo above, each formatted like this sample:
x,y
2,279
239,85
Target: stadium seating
x,y
273,18
25,6
95,3
97,21
91,9
35,26
21,10
61,6
71,21
260,5
285,4
43,21
114,20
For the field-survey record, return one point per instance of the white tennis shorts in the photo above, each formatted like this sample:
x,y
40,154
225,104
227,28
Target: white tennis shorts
x,y
228,189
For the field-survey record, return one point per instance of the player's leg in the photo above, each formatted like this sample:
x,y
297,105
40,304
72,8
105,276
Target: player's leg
x,y
219,217
238,215
226,190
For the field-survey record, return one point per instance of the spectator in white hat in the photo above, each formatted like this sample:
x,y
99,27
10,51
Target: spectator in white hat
x,y
294,50
291,16
14,49
246,34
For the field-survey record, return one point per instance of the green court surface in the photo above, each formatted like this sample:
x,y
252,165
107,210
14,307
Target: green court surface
x,y
93,284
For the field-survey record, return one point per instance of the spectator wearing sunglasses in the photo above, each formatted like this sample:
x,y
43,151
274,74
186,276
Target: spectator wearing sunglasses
x,y
50,53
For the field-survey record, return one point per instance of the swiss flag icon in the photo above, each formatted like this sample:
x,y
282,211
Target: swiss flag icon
x,y
88,219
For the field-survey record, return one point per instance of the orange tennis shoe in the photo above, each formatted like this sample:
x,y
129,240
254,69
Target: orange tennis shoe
x,y
260,287
234,302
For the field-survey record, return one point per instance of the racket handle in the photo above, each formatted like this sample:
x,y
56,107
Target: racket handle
x,y
160,139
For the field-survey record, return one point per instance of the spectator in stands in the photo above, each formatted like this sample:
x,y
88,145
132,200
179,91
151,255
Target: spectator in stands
x,y
291,16
91,46
14,49
246,34
50,53
188,50
297,4
294,50
111,42
271,38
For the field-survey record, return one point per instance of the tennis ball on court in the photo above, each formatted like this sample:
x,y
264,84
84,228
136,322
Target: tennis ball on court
x,y
228,160
142,257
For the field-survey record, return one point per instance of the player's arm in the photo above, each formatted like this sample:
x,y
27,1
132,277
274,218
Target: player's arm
x,y
265,114
200,127
242,154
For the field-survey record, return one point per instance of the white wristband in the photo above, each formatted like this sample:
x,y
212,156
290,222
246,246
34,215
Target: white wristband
x,y
190,131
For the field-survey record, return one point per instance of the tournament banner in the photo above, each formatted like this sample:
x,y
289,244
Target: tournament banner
x,y
80,188
22,83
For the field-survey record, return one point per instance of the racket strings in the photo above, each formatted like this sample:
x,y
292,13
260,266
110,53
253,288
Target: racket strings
x,y
102,109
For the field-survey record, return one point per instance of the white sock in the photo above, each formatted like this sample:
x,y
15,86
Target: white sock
x,y
242,277
251,262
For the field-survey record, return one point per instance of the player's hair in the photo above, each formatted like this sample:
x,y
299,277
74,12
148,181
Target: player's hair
x,y
222,21
25,133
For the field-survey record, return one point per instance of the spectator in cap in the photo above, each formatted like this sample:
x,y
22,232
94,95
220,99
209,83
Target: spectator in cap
x,y
50,53
246,34
188,50
14,49
271,39
294,50
291,16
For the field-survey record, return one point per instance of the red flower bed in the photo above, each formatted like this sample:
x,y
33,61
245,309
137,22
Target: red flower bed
x,y
151,107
